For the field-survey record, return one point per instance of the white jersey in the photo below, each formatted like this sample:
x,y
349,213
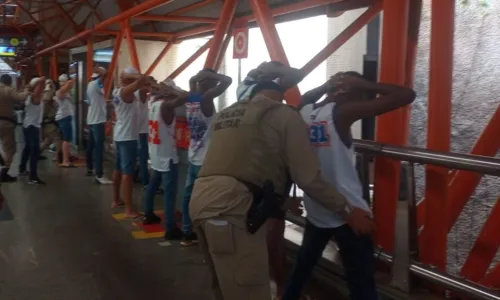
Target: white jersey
x,y
64,107
162,140
97,112
337,165
33,114
126,128
142,116
199,126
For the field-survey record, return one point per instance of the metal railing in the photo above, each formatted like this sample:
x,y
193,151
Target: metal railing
x,y
474,163
481,164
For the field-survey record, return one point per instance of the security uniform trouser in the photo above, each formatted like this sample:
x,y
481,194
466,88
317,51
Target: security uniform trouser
x,y
237,260
8,141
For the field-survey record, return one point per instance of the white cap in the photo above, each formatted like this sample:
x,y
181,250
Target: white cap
x,y
34,82
130,70
95,75
63,78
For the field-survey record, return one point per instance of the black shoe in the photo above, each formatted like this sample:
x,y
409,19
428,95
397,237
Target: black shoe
x,y
151,219
41,157
189,239
7,178
160,191
173,235
89,173
23,173
36,181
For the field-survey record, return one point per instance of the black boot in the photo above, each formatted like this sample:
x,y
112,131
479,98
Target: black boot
x,y
5,177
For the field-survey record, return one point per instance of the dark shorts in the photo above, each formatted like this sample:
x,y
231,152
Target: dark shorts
x,y
126,157
66,127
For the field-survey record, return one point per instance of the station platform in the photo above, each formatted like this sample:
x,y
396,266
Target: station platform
x,y
63,241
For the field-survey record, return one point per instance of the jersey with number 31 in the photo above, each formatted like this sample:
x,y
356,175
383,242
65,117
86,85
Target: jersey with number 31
x,y
162,140
337,165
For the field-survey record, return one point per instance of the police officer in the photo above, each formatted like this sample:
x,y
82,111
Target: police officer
x,y
254,144
8,99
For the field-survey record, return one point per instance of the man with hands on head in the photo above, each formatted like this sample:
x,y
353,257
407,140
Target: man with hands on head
x,y
204,87
255,145
347,101
126,133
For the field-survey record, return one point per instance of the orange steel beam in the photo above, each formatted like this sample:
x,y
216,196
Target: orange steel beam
x,y
134,11
286,9
190,60
342,38
132,49
112,65
264,17
390,125
433,250
223,27
463,183
223,50
492,279
90,57
138,34
54,65
159,58
485,247
176,19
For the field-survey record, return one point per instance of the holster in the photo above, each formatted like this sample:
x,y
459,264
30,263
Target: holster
x,y
265,201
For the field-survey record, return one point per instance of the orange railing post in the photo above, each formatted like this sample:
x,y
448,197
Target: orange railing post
x,y
90,57
134,59
264,18
112,65
223,50
162,54
39,66
54,65
390,126
190,60
433,250
223,26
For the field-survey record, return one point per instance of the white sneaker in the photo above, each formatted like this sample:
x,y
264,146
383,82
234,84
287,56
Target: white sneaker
x,y
103,180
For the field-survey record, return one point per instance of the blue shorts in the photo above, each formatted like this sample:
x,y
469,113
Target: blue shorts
x,y
126,157
66,128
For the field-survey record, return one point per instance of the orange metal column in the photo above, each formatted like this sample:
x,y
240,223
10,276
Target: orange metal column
x,y
90,57
485,248
390,126
264,18
134,59
112,65
159,58
39,66
54,65
223,27
433,250
190,60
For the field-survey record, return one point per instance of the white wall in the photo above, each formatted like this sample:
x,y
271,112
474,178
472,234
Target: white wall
x,y
148,51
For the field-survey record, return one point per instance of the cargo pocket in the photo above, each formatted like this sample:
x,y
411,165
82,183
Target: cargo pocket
x,y
219,234
252,262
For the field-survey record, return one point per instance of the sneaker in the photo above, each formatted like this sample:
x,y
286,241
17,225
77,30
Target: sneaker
x,y
36,181
103,180
172,235
189,239
150,219
89,173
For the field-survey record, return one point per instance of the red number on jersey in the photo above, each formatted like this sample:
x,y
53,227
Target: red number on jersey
x,y
154,137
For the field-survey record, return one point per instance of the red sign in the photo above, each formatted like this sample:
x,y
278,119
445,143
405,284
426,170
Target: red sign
x,y
182,133
240,42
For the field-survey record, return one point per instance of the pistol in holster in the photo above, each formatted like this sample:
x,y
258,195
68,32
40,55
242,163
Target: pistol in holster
x,y
265,201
